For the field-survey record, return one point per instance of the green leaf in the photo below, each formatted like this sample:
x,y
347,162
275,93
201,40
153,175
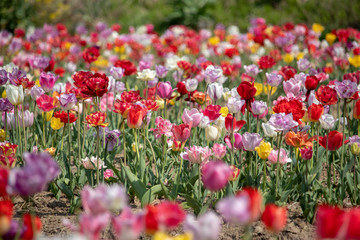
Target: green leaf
x,y
138,186
150,194
65,189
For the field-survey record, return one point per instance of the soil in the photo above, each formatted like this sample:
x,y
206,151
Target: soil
x,y
53,211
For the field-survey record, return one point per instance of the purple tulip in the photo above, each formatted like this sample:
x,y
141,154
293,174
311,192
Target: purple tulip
x,y
28,119
235,104
15,75
117,72
161,71
273,79
292,86
15,45
303,64
5,105
3,77
235,209
282,122
205,227
251,141
259,108
164,90
81,29
193,116
39,170
252,70
36,92
111,138
215,175
67,101
39,62
213,73
128,225
346,88
47,81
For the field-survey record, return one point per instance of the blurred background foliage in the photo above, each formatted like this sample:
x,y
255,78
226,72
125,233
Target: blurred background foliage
x,y
163,13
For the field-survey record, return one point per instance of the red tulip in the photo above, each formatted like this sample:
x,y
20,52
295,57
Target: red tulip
x,y
4,173
32,225
232,125
246,90
315,111
136,116
255,201
181,88
6,213
353,231
326,95
80,78
131,96
96,85
212,112
91,54
287,72
97,119
329,220
357,110
45,103
334,138
129,67
266,62
64,116
311,82
181,132
274,217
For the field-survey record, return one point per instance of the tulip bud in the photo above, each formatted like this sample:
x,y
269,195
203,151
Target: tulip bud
x,y
191,84
212,133
355,148
15,94
215,91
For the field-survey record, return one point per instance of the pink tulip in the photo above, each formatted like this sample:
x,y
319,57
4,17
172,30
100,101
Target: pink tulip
x,y
219,150
92,225
128,225
273,156
47,80
238,144
193,116
196,154
164,90
292,86
215,175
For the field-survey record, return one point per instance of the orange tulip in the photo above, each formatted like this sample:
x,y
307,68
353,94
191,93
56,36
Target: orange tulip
x,y
97,119
136,116
315,111
299,139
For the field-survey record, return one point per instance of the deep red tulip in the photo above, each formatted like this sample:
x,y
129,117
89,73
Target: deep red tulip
x,y
131,96
122,107
129,67
80,78
181,88
311,82
274,217
246,90
232,125
356,110
335,140
287,72
315,111
91,54
266,62
96,85
64,116
32,225
4,173
326,95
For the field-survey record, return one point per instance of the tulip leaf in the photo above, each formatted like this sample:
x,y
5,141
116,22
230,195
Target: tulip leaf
x,y
64,188
138,186
191,202
150,194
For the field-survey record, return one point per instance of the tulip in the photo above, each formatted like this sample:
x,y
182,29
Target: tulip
x,y
92,163
196,154
205,227
47,81
181,132
346,88
283,158
235,104
5,105
213,73
282,122
274,218
39,170
45,103
326,95
235,209
117,72
36,92
263,150
232,125
269,130
128,225
67,101
163,127
215,175
191,84
91,225
251,141
193,116
329,221
311,82
259,108
306,153
164,90
256,201
299,139
161,71
204,122
56,123
28,119
212,111
6,214
303,64
327,121
246,90
292,86
136,116
29,223
315,111
146,75
103,198
14,94
333,141
97,119
252,70
65,117
273,79
219,150
238,144
212,133
356,110
215,91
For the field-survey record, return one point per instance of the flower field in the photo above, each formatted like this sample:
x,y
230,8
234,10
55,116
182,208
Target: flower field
x,y
185,134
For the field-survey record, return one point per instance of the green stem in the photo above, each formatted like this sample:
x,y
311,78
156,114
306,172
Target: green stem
x,y
97,154
278,165
343,141
23,122
199,172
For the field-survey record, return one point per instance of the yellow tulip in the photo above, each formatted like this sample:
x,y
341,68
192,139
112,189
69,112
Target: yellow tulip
x,y
330,38
259,88
355,149
56,123
3,95
288,58
37,82
224,111
51,151
300,55
254,48
2,135
355,61
160,103
164,236
101,62
48,115
272,89
318,28
263,150
214,40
